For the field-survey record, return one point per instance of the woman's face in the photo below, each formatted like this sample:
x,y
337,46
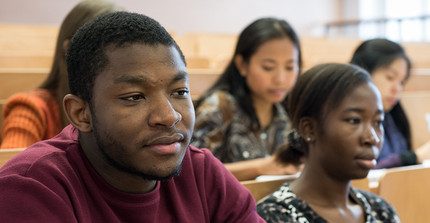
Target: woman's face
x,y
390,81
272,70
349,139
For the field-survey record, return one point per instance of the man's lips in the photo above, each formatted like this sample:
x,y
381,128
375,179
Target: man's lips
x,y
166,139
165,145
166,149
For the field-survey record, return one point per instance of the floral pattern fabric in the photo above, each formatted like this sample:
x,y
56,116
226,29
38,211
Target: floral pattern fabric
x,y
222,127
284,206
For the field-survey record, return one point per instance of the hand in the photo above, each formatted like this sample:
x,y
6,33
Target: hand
x,y
423,152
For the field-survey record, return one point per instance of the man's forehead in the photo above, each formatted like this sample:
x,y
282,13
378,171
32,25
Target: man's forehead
x,y
157,51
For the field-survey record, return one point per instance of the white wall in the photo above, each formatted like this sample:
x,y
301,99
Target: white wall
x,y
225,16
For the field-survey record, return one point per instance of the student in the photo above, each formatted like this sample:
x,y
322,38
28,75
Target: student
x,y
390,68
336,113
36,115
242,118
126,155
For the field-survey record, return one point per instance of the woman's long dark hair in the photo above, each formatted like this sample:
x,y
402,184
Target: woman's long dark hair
x,y
251,38
376,53
57,81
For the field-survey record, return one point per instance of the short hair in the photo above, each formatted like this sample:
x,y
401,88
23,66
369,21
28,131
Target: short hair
x,y
86,55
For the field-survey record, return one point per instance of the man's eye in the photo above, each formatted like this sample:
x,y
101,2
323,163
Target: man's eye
x,y
134,98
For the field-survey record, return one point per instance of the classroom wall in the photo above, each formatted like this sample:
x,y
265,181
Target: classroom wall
x,y
225,16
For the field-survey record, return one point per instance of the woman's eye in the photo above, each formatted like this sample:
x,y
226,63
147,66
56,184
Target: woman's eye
x,y
379,122
353,120
289,68
390,77
266,68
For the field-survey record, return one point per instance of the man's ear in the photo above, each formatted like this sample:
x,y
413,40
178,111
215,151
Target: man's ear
x,y
241,65
78,112
307,129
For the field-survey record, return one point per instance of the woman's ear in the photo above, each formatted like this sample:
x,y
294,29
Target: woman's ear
x,y
65,45
241,65
78,112
307,129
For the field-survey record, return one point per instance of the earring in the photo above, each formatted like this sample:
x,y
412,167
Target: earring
x,y
308,139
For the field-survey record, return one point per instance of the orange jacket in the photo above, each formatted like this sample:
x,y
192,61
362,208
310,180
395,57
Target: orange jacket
x,y
28,118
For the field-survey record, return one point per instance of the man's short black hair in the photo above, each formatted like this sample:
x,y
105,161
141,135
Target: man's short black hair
x,y
86,54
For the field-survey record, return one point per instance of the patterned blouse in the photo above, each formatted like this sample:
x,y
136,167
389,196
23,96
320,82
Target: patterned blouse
x,y
224,128
284,206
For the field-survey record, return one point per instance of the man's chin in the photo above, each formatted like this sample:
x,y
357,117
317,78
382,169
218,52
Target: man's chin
x,y
175,172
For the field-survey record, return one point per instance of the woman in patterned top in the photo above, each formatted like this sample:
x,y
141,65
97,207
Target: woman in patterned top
x,y
242,118
337,114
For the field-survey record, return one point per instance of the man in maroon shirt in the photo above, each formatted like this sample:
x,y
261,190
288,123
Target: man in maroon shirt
x,y
126,155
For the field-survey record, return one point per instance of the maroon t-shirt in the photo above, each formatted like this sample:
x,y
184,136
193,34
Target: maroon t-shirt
x,y
53,181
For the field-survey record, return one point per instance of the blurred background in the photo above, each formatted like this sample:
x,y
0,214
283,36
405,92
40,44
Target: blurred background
x,y
398,20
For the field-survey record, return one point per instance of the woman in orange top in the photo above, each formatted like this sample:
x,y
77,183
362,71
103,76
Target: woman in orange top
x,y
36,115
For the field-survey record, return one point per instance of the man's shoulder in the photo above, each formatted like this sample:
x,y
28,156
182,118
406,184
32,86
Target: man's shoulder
x,y
45,155
201,160
200,154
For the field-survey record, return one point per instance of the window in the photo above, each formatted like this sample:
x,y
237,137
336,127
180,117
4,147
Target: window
x,y
398,20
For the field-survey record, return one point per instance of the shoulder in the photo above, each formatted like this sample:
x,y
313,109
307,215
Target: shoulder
x,y
207,169
49,155
45,95
226,198
280,199
217,100
201,157
376,205
33,99
281,206
373,199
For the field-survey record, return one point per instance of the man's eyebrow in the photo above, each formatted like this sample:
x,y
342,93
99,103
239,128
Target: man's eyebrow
x,y
141,78
126,78
180,76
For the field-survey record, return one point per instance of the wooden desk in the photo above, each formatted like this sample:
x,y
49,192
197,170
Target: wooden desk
x,y
416,104
260,189
7,154
19,80
408,190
